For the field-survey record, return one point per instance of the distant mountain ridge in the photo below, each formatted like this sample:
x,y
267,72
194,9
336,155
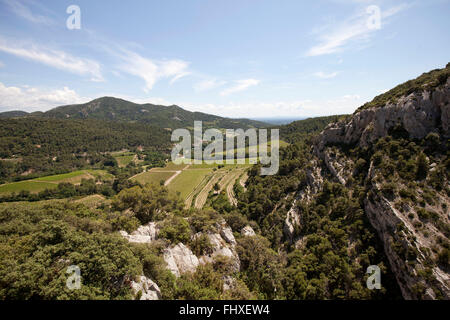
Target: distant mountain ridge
x,y
13,114
114,109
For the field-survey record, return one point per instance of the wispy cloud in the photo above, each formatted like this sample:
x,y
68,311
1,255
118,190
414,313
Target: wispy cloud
x,y
324,75
18,8
178,77
53,58
36,99
337,37
208,85
240,85
152,70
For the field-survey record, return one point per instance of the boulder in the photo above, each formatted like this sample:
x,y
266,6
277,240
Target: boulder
x,y
148,289
227,235
248,231
144,234
180,259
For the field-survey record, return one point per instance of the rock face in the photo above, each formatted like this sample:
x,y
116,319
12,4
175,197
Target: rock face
x,y
144,234
386,219
180,259
147,289
293,218
292,221
418,113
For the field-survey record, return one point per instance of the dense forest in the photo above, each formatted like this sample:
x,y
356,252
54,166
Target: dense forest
x,y
48,146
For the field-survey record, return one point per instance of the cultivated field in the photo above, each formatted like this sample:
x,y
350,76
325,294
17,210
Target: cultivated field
x,y
282,144
170,166
29,185
188,180
92,201
124,158
153,176
50,182
195,182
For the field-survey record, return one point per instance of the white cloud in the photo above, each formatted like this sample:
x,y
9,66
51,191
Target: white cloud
x,y
337,37
153,70
324,75
36,99
240,85
208,85
53,58
24,12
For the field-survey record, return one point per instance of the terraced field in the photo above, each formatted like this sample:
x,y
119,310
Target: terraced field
x,y
202,196
225,177
188,180
194,182
230,186
243,180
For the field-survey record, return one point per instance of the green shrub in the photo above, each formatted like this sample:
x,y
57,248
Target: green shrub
x,y
176,229
201,245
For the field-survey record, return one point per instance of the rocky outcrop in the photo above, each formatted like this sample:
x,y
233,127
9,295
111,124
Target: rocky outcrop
x,y
248,231
336,164
418,113
409,252
399,236
314,181
291,222
180,259
386,220
144,234
145,289
222,243
227,234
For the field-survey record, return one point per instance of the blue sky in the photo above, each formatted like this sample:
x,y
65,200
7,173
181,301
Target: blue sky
x,y
236,58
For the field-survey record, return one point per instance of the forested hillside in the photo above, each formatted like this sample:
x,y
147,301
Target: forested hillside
x,y
114,109
54,145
